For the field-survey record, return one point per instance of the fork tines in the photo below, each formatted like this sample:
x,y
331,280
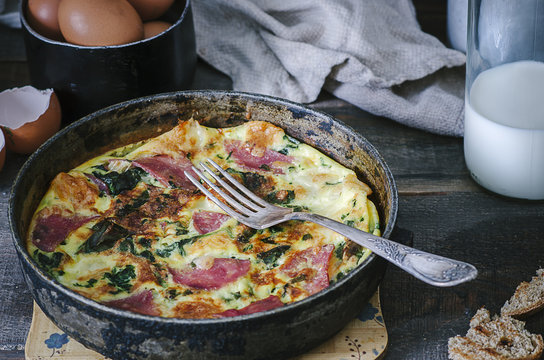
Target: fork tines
x,y
242,199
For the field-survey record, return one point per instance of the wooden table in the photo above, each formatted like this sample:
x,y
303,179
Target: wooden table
x,y
445,210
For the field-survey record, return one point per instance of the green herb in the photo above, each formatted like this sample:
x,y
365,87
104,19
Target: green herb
x,y
307,237
270,257
187,292
127,245
184,242
89,284
135,205
48,263
291,139
247,248
145,242
275,229
323,163
234,296
251,180
340,276
281,197
265,167
167,250
245,235
120,279
119,182
172,294
298,208
228,157
349,222
105,236
268,240
146,254
339,251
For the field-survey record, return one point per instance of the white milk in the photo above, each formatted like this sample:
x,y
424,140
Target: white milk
x,y
504,129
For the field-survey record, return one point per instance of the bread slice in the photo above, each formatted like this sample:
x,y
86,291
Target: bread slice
x,y
528,297
500,338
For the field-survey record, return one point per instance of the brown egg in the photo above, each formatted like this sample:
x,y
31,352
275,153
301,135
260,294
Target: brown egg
x,y
30,116
151,9
152,28
99,22
2,150
42,17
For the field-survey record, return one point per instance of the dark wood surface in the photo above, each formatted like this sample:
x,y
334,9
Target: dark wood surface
x,y
445,210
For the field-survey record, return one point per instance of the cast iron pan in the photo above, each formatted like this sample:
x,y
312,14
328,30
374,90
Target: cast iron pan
x,y
273,334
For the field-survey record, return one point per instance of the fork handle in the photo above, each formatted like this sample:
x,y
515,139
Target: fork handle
x,y
430,268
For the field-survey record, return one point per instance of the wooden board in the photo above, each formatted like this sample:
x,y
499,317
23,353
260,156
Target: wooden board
x,y
364,338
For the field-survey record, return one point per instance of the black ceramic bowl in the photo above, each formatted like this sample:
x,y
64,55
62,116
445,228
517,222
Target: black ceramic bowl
x,y
274,334
88,78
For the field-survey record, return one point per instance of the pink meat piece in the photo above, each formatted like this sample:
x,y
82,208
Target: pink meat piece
x,y
99,183
167,170
208,221
51,230
314,258
249,156
222,272
269,303
141,303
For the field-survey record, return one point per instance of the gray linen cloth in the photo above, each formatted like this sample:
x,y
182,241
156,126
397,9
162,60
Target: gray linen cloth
x,y
9,13
371,53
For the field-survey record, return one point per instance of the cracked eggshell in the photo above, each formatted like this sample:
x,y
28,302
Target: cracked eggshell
x,y
2,150
28,117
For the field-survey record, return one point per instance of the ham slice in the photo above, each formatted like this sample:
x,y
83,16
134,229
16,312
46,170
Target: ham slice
x,y
311,267
256,158
51,230
221,272
141,303
269,303
167,170
208,221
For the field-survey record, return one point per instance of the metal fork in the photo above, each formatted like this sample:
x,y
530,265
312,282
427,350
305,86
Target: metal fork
x,y
254,212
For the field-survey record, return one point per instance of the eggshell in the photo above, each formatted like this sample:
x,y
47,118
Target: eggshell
x,y
151,9
153,28
29,117
2,150
42,17
99,22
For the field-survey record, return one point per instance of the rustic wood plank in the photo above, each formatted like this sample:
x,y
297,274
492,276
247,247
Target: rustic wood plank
x,y
13,74
501,237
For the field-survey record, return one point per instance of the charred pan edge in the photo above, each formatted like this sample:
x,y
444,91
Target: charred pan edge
x,y
116,333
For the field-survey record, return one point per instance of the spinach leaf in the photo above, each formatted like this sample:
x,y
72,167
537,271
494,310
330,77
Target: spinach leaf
x,y
271,256
133,206
106,234
127,245
167,250
246,235
120,279
339,251
119,182
48,263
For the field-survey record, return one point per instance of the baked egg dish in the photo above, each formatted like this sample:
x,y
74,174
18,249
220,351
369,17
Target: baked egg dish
x,y
129,230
